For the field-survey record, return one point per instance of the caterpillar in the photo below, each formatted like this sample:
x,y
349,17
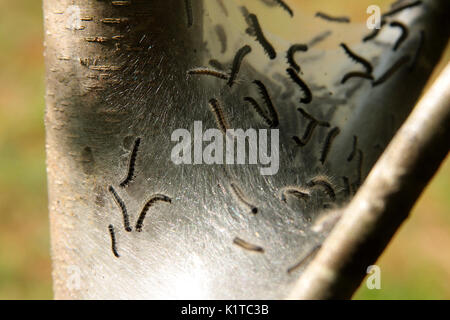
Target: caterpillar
x,y
246,14
283,5
418,50
121,3
307,134
310,117
188,6
319,38
403,36
268,48
208,72
240,196
313,123
353,153
290,55
389,72
148,204
325,184
305,139
222,38
259,110
401,8
359,169
347,187
334,19
296,79
374,33
223,7
123,208
221,119
113,241
358,59
328,141
312,252
247,246
265,95
298,192
240,54
356,74
131,164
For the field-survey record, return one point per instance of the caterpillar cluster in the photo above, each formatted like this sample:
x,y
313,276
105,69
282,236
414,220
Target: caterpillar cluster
x,y
268,48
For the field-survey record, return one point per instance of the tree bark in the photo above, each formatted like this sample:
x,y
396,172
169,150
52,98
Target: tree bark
x,y
118,86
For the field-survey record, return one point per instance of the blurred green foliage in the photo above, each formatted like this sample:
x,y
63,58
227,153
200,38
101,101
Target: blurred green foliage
x,y
415,266
25,267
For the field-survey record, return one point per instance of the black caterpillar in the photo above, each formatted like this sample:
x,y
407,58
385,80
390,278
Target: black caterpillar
x,y
148,204
296,79
131,164
268,48
123,208
242,52
290,55
366,64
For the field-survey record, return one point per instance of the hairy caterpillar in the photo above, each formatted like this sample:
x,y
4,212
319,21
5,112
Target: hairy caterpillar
x,y
290,55
123,208
131,163
282,4
374,33
221,119
313,123
403,36
418,50
222,37
401,8
334,19
389,72
259,110
298,192
208,72
242,52
265,95
325,184
188,6
296,79
240,196
312,252
268,48
113,241
347,187
310,117
247,246
353,153
148,204
358,59
328,141
359,169
356,74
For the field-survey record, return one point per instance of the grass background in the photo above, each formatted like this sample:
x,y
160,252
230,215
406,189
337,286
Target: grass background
x,y
415,266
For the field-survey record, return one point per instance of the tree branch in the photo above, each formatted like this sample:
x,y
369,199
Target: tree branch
x,y
384,201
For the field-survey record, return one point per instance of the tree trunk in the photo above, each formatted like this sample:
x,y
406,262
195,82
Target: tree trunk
x,y
118,87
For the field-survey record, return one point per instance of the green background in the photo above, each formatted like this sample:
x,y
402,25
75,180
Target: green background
x,y
415,266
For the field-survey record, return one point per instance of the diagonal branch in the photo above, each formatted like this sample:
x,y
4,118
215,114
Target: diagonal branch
x,y
384,201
